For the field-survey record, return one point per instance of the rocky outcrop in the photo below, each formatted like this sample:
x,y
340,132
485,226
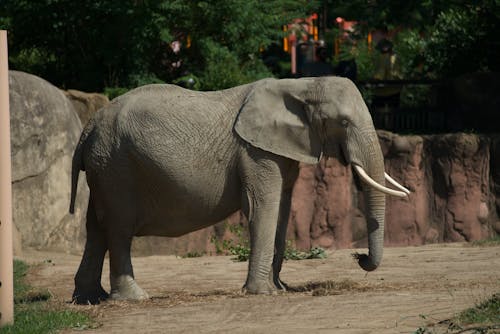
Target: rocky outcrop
x,y
86,104
455,188
44,132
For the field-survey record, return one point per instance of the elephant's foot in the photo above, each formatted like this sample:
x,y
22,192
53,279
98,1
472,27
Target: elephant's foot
x,y
124,287
261,287
89,296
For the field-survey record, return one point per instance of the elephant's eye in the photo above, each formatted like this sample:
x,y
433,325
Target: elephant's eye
x,y
345,123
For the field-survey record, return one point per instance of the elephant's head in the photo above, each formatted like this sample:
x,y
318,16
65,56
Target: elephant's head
x,y
303,119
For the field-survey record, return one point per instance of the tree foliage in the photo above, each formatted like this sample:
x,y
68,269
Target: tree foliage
x,y
436,39
91,45
460,40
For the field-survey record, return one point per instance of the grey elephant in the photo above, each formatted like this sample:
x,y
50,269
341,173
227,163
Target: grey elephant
x,y
162,160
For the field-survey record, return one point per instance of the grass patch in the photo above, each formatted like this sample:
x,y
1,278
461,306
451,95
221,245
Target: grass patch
x,y
484,318
493,241
20,286
33,313
486,312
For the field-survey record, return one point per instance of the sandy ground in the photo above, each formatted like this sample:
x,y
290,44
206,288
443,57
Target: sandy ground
x,y
415,286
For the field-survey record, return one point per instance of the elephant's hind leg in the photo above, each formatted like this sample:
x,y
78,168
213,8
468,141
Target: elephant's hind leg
x,y
280,240
88,288
123,284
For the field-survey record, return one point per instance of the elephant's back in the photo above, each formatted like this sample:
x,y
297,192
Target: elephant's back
x,y
178,148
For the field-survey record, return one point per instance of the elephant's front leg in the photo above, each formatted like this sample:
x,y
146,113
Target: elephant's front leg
x,y
262,180
263,224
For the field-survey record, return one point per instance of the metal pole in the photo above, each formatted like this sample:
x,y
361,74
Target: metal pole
x,y
6,258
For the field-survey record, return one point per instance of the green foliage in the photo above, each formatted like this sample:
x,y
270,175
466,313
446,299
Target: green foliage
x,y
188,81
409,46
193,254
435,39
364,57
294,254
365,61
82,45
38,317
395,13
415,96
227,35
112,92
104,43
460,41
141,79
20,286
223,68
32,312
484,317
493,241
240,247
487,311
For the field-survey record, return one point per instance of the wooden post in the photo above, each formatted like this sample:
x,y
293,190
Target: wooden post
x,y
6,258
293,52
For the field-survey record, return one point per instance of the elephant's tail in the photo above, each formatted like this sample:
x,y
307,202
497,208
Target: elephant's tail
x,y
77,164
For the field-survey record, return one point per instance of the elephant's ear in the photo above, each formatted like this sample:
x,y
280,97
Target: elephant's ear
x,y
275,118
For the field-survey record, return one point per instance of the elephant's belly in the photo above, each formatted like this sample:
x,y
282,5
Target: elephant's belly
x,y
175,227
175,208
172,223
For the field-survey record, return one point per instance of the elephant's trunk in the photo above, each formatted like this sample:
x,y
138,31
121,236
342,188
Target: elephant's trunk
x,y
375,220
368,163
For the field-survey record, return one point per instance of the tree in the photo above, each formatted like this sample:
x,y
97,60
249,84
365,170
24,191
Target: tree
x,y
90,45
225,37
85,45
437,39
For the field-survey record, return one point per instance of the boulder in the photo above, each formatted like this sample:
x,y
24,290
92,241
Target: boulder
x,y
44,131
86,104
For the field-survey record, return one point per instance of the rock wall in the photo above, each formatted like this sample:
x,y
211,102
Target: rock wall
x,y
454,180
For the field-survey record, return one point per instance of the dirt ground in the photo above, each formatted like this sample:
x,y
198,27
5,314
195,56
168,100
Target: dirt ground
x,y
414,287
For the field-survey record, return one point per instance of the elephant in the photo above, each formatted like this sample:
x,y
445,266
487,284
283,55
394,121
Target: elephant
x,y
163,160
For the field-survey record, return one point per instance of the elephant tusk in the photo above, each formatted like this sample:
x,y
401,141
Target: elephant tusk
x,y
396,184
367,179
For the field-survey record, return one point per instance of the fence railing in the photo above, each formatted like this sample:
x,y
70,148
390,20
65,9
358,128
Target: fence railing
x,y
390,114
